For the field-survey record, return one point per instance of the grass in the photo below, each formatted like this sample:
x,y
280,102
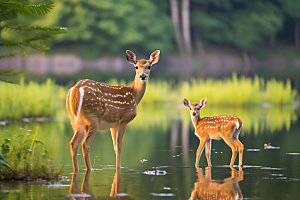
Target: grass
x,y
43,100
25,158
29,100
232,91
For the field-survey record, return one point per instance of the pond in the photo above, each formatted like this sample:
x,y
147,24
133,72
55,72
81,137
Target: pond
x,y
158,158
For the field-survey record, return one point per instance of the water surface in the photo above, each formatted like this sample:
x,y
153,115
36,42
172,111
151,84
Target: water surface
x,y
158,158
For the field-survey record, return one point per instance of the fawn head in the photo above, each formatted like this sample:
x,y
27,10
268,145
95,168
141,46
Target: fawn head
x,y
195,107
142,67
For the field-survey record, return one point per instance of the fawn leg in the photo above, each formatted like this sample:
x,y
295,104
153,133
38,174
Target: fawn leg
x,y
207,152
233,146
199,151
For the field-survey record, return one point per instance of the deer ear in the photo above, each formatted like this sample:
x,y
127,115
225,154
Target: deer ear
x,y
186,102
154,57
131,57
203,102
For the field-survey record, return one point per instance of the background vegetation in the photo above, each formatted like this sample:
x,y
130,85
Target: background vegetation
x,y
46,99
180,26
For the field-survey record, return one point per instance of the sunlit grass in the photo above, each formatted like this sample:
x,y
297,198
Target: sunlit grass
x,y
232,91
29,100
43,100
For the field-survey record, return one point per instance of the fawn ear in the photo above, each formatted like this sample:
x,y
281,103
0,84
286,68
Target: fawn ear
x,y
203,102
186,102
154,57
131,57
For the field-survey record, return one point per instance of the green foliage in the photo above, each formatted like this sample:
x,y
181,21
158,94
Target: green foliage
x,y
4,163
29,100
241,24
107,27
231,91
28,158
19,36
9,75
292,7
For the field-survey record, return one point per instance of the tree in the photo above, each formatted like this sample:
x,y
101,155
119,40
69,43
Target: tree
x,y
176,23
102,27
241,24
292,8
16,36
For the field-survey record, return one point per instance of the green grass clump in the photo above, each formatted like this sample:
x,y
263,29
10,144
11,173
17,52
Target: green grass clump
x,y
28,100
26,158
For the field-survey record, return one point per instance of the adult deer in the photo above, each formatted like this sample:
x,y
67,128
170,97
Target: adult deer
x,y
96,106
226,127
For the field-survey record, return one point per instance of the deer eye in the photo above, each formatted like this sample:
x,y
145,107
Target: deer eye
x,y
198,108
190,109
149,67
136,67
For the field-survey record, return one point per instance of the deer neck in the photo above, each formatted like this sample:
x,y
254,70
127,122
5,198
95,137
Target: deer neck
x,y
195,120
139,89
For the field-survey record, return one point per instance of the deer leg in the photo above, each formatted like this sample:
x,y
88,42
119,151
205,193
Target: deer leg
x,y
119,141
74,187
113,132
241,150
85,186
232,145
116,186
207,152
90,134
74,144
199,151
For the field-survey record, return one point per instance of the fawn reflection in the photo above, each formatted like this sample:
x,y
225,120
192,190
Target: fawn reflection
x,y
206,188
116,191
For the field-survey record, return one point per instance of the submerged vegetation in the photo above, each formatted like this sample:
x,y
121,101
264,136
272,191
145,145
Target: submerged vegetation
x,y
24,157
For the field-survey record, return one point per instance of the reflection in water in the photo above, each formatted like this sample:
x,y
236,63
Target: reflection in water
x,y
206,188
116,191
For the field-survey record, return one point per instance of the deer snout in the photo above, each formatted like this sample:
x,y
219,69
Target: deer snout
x,y
194,113
143,77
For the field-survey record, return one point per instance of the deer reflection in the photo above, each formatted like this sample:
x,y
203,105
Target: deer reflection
x,y
115,192
206,188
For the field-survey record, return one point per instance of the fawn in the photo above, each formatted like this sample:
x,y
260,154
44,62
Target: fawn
x,y
96,106
226,127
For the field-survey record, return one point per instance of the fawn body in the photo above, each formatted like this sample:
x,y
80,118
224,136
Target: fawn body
x,y
226,127
96,106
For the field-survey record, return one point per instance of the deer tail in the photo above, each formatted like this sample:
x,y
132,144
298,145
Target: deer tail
x,y
74,101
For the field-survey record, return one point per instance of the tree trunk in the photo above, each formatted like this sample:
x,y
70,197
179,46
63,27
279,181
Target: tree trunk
x,y
297,29
246,62
199,49
176,22
186,26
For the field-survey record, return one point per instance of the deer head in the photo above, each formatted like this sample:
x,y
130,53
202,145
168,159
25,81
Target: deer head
x,y
195,107
142,67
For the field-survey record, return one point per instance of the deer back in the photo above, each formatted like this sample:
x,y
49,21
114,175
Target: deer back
x,y
217,127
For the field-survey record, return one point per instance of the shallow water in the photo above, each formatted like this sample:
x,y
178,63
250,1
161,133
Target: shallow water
x,y
158,160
